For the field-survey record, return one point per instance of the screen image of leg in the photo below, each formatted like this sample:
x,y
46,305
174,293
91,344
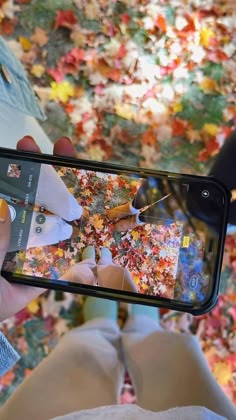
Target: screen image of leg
x,y
55,197
112,275
14,128
82,273
83,371
168,369
224,170
52,231
116,277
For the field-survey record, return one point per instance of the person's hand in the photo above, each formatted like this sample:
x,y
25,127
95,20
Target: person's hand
x,y
14,297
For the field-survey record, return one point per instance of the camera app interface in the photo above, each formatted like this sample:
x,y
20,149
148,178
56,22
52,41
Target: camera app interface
x,y
109,230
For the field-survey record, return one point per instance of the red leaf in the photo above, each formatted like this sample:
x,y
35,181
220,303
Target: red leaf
x,y
149,137
114,74
7,27
65,18
56,74
203,156
69,108
178,127
79,129
212,146
125,18
217,56
121,52
160,23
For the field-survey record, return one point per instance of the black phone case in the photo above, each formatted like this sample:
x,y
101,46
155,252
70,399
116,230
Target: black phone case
x,y
110,293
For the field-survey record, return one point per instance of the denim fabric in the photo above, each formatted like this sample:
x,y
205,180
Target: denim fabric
x,y
18,94
8,356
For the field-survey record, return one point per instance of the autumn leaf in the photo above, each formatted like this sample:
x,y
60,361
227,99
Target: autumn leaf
x,y
40,37
203,155
207,35
33,307
222,372
208,85
121,53
37,70
177,107
61,91
65,18
114,74
212,146
211,129
25,43
149,137
7,379
7,27
135,235
96,221
178,127
124,111
60,253
160,23
217,56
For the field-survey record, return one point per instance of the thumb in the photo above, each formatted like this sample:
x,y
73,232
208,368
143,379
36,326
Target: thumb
x,y
5,229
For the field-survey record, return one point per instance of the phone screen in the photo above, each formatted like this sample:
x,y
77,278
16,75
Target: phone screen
x,y
150,235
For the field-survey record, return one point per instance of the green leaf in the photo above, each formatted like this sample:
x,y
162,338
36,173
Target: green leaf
x,y
200,108
214,70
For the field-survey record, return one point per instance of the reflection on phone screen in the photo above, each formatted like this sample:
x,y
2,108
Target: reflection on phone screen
x,y
141,235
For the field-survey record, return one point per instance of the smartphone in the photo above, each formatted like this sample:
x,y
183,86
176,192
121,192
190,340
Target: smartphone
x,y
124,233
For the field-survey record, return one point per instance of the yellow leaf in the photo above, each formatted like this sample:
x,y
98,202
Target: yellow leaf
x,y
206,35
124,111
178,107
61,91
25,43
222,372
135,235
145,286
211,129
136,278
96,221
33,306
208,85
60,252
37,70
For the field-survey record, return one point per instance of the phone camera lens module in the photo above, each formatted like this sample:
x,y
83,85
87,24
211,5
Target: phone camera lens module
x,y
205,193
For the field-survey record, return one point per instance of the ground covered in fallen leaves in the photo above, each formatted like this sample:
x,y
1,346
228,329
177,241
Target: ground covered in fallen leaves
x,y
147,83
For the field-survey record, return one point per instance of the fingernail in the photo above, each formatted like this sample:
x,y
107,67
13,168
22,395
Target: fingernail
x,y
3,210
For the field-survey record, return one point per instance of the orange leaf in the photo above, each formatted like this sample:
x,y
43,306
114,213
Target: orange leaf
x,y
178,127
160,23
149,137
114,74
40,37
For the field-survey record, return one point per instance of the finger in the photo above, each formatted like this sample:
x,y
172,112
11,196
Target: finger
x,y
5,230
27,143
14,297
64,147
